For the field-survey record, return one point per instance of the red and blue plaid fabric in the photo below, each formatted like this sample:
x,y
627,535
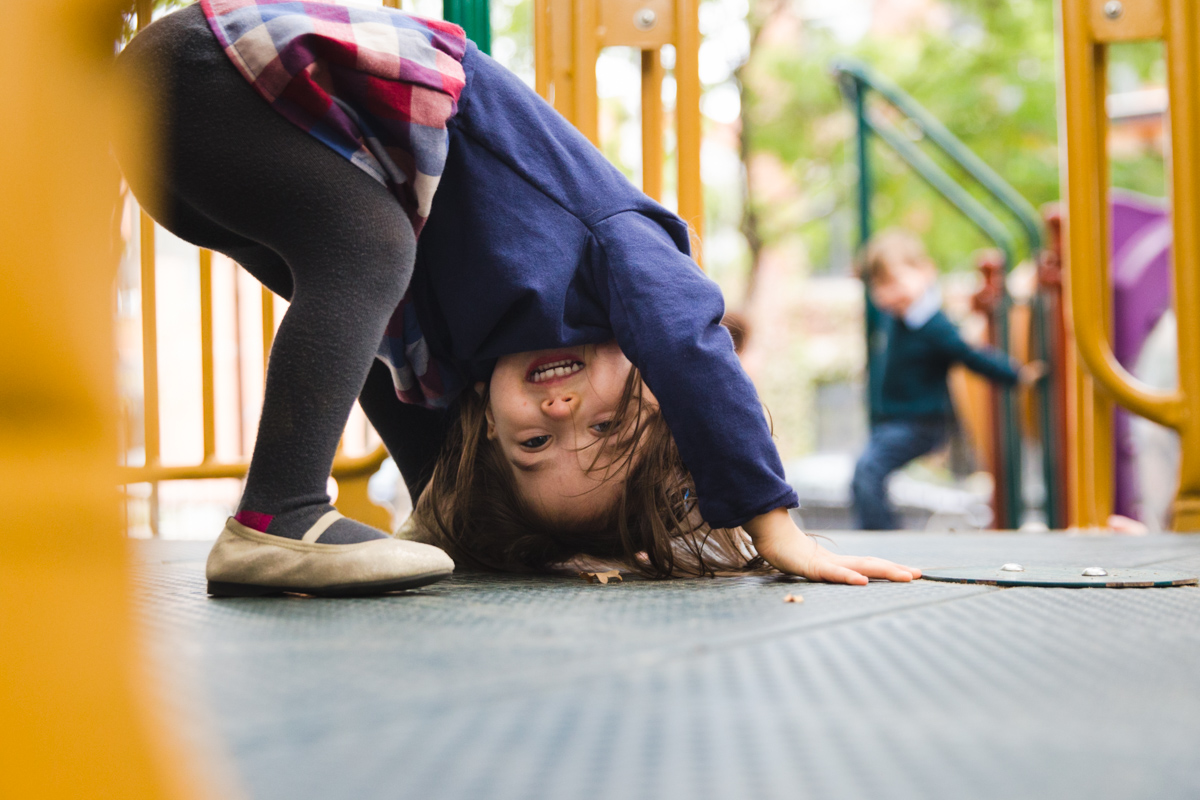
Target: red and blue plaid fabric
x,y
378,86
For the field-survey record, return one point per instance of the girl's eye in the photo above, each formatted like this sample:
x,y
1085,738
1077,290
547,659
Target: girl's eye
x,y
535,442
603,427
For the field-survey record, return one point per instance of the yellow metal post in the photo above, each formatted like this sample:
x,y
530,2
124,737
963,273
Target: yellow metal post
x,y
687,116
652,124
76,719
207,365
1088,27
568,37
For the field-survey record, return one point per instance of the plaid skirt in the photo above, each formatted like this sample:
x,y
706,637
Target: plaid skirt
x,y
379,87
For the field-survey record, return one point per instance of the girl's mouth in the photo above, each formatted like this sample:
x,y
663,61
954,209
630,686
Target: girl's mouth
x,y
559,365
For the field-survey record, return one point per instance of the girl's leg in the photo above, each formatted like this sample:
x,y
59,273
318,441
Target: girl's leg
x,y
228,158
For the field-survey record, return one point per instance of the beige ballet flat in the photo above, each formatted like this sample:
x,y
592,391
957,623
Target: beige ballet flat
x,y
247,563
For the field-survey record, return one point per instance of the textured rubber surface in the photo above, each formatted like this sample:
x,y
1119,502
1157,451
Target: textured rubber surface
x,y
507,687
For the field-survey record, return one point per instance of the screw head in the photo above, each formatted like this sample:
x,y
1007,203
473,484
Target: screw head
x,y
1012,568
1113,9
645,19
1095,572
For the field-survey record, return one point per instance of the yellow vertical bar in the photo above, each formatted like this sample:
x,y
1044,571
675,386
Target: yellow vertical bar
x,y
652,124
268,324
75,706
149,340
1103,447
687,117
206,355
560,44
1086,185
542,47
151,428
1183,68
585,51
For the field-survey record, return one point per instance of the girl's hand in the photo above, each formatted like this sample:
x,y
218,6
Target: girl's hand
x,y
789,550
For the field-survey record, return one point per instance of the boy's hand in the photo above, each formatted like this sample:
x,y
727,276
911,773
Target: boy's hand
x,y
1031,373
789,550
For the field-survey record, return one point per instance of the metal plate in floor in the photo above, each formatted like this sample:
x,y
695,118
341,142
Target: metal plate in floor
x,y
1065,577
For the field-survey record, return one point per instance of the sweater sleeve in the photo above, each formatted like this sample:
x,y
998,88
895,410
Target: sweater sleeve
x,y
666,314
991,364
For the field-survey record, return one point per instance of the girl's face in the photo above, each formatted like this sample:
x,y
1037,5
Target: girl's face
x,y
548,412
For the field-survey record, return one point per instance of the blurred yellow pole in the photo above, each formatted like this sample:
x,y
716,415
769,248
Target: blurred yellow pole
x,y
585,52
652,124
541,48
1183,68
1088,27
75,717
687,118
207,365
268,325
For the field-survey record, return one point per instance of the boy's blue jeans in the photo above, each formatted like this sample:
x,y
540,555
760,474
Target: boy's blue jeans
x,y
893,444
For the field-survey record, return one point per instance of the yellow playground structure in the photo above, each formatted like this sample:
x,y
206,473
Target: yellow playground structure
x,y
1088,28
76,717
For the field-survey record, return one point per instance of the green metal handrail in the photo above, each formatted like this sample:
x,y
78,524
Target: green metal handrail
x,y
856,79
931,127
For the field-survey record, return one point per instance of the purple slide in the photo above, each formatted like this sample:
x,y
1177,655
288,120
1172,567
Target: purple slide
x,y
1141,279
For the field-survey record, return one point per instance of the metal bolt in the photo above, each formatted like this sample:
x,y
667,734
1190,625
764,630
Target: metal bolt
x,y
1113,9
645,19
1095,572
1012,568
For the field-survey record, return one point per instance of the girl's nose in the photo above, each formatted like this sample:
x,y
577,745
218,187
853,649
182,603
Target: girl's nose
x,y
560,406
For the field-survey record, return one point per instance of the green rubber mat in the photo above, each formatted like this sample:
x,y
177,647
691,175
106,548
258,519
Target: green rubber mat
x,y
495,687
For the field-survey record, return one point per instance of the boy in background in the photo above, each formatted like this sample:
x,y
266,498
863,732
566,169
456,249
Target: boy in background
x,y
915,411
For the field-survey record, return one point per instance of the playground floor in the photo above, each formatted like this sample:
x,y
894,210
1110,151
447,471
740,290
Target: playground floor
x,y
496,687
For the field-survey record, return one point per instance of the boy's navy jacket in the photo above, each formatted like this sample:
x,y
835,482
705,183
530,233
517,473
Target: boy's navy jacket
x,y
916,361
535,241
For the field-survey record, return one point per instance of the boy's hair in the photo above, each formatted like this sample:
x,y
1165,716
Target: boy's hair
x,y
887,247
473,510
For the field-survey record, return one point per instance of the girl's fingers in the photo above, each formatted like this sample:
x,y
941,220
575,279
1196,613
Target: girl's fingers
x,y
838,574
879,568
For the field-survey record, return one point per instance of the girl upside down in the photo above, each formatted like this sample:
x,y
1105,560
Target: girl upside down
x,y
547,364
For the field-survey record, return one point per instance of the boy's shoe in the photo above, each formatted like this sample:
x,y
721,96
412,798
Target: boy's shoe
x,y
247,563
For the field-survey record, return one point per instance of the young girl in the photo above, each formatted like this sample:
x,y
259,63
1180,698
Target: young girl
x,y
312,143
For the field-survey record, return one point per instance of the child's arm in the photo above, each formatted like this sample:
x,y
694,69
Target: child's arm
x,y
788,549
993,365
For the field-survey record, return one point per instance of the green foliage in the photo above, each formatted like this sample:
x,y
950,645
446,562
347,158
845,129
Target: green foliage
x,y
988,73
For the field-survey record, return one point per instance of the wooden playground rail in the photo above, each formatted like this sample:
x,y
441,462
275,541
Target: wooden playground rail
x,y
1088,28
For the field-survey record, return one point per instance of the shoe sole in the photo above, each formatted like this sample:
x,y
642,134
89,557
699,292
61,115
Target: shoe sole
x,y
226,589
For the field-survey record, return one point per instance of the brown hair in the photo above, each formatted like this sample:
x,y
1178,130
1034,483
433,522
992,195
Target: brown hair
x,y
887,247
473,510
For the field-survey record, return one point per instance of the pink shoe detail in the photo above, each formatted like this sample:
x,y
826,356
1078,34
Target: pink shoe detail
x,y
255,520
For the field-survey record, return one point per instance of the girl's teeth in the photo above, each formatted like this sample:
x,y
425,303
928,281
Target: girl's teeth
x,y
558,369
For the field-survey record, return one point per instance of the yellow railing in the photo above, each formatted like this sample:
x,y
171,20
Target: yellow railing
x,y
1088,28
76,713
351,473
568,38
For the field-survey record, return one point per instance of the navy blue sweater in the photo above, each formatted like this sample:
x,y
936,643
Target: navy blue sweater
x,y
536,241
916,361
